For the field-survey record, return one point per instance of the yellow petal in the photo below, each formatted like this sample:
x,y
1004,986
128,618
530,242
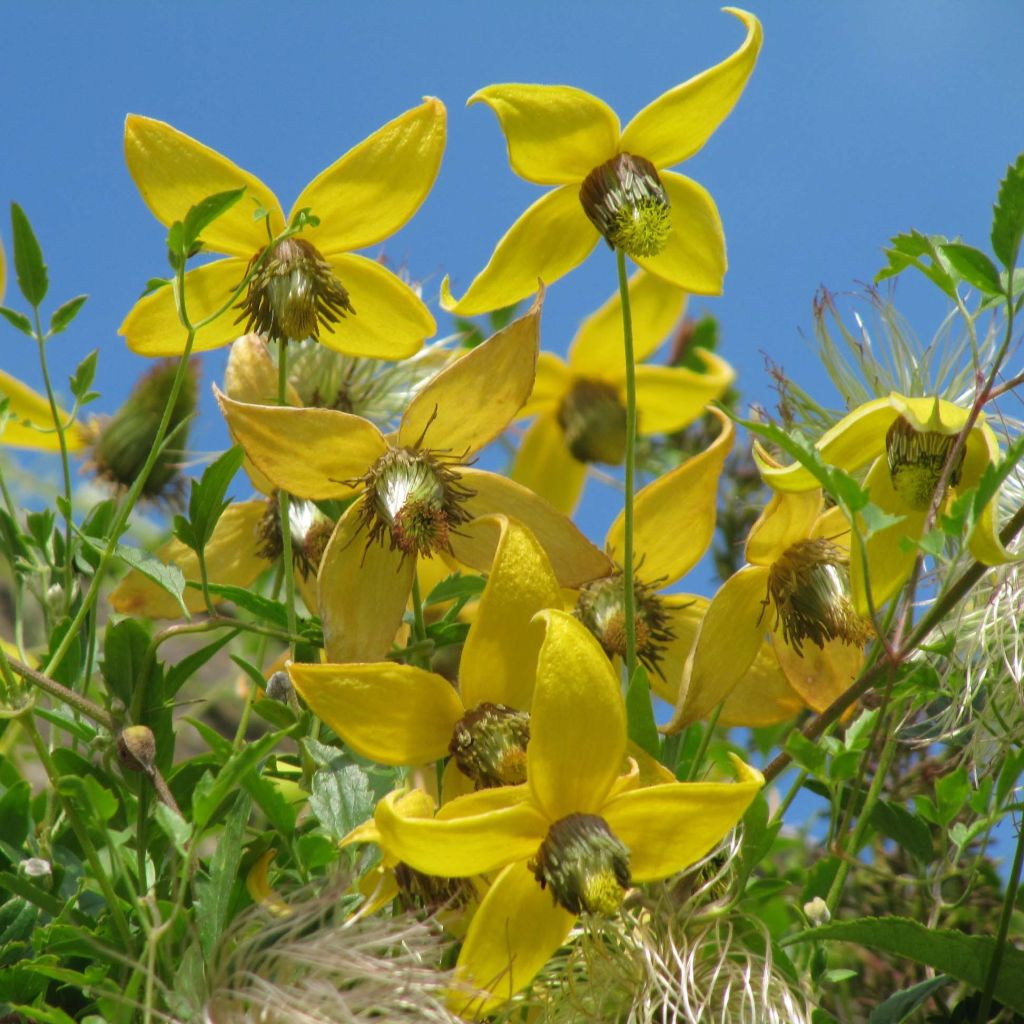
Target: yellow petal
x,y
578,721
545,465
685,614
470,402
390,320
308,452
556,134
930,413
729,639
764,695
362,590
669,398
649,771
853,442
674,517
678,123
574,559
390,713
173,172
376,187
257,881
694,255
655,307
818,674
152,327
232,557
786,519
984,542
251,373
668,827
499,657
24,404
551,238
483,801
550,385
461,846
511,937
833,525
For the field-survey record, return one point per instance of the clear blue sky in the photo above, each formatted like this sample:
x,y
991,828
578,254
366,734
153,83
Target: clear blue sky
x,y
862,119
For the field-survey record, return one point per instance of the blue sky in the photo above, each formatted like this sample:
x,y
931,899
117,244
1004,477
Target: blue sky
x,y
861,120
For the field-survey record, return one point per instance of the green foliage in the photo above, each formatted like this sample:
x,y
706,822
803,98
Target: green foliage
x,y
28,259
1008,215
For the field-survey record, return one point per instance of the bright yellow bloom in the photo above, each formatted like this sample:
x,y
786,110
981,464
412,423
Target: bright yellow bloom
x,y
415,492
559,135
794,590
403,715
580,405
906,441
572,839
367,195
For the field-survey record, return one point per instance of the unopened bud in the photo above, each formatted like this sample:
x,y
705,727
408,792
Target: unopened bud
x,y
136,748
279,688
817,912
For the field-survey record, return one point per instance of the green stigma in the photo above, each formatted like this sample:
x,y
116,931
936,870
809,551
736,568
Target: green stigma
x,y
489,745
916,459
626,201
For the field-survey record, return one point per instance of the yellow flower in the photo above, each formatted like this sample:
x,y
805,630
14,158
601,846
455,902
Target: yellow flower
x,y
415,491
574,838
580,405
906,441
559,135
794,588
312,279
674,522
402,715
31,423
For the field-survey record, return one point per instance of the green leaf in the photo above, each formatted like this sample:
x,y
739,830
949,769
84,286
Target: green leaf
x,y
1008,215
125,645
15,817
180,673
342,796
167,577
80,382
272,612
758,838
28,258
906,829
64,314
174,826
965,957
215,893
806,754
206,500
910,250
280,813
974,267
641,727
454,587
899,1006
951,793
205,212
18,321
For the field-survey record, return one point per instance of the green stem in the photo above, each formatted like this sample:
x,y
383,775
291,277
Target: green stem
x,y
65,465
419,625
629,598
1009,901
705,742
863,821
261,653
284,503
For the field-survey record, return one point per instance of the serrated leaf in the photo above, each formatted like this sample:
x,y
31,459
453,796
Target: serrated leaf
x,y
906,829
974,267
912,250
962,956
640,725
1008,215
64,314
215,893
341,799
81,380
28,258
17,320
900,1005
167,577
205,212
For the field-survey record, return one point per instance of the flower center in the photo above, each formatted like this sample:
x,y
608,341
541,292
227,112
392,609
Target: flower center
x,y
293,293
489,745
415,500
585,864
594,421
310,530
601,607
418,891
626,201
916,459
809,587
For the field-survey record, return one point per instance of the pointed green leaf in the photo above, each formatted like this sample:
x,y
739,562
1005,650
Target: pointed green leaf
x,y
17,320
641,727
974,267
80,382
1008,215
28,258
900,1005
63,315
205,212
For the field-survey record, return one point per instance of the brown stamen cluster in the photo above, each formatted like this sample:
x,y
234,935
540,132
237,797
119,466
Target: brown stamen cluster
x,y
809,588
916,459
489,745
293,293
418,891
593,419
626,201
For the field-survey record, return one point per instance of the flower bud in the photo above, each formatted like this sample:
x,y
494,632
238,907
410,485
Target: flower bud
x,y
136,749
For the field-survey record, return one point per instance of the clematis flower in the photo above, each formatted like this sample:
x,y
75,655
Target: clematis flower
x,y
580,404
611,182
402,715
570,841
415,492
794,592
906,441
674,522
312,280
